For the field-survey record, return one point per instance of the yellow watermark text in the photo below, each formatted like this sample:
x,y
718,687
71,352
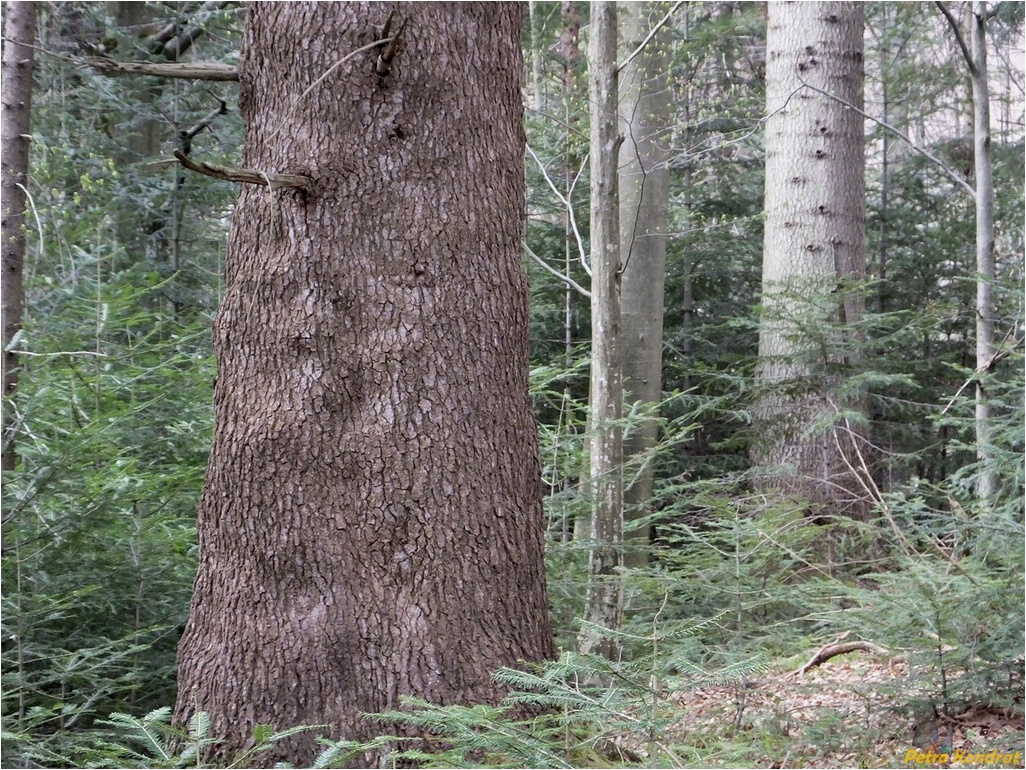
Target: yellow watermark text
x,y
992,758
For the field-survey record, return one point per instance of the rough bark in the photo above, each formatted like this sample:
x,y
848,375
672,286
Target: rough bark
x,y
605,591
19,36
644,190
814,248
985,310
370,526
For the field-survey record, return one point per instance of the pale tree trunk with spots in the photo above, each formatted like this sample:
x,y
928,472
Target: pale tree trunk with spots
x,y
19,36
604,606
370,525
813,252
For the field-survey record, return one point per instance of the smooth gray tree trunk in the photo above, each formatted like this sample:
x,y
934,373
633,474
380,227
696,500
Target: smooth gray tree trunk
x,y
985,310
644,190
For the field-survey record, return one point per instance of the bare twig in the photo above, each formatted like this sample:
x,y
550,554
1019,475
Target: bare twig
x,y
173,46
865,477
322,78
869,485
41,246
384,63
998,355
939,163
244,175
189,134
651,35
61,353
569,209
958,36
564,278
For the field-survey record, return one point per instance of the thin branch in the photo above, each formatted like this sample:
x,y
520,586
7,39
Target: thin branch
x,y
189,134
569,208
182,38
41,246
559,121
986,366
30,354
327,72
163,34
939,163
244,175
651,34
384,63
564,278
958,35
878,497
865,477
175,70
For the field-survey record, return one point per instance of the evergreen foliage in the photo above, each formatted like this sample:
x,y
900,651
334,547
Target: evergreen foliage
x,y
114,414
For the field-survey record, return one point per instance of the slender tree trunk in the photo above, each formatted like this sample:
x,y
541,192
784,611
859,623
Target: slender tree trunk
x,y
605,591
19,36
985,349
370,526
537,96
814,248
687,332
885,59
143,231
644,193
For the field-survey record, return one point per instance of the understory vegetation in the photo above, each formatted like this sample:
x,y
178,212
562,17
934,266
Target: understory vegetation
x,y
734,588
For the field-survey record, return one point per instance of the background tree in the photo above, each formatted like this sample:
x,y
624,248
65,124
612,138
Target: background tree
x,y
19,36
605,485
370,526
814,253
115,404
976,59
643,186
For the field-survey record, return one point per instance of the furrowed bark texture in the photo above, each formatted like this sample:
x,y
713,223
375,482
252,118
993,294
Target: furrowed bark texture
x,y
814,247
19,35
604,606
370,526
644,195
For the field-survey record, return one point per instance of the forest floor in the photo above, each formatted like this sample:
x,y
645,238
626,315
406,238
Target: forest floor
x,y
851,711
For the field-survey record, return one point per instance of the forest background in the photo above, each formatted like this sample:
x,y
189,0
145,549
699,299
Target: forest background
x,y
722,581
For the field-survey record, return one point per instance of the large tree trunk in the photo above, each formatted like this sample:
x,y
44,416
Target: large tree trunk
x,y
814,249
985,349
605,591
644,191
19,35
370,526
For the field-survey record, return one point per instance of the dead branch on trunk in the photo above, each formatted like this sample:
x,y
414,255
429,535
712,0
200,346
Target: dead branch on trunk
x,y
244,175
181,71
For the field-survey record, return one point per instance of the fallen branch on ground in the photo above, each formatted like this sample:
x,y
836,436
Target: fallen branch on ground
x,y
835,648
